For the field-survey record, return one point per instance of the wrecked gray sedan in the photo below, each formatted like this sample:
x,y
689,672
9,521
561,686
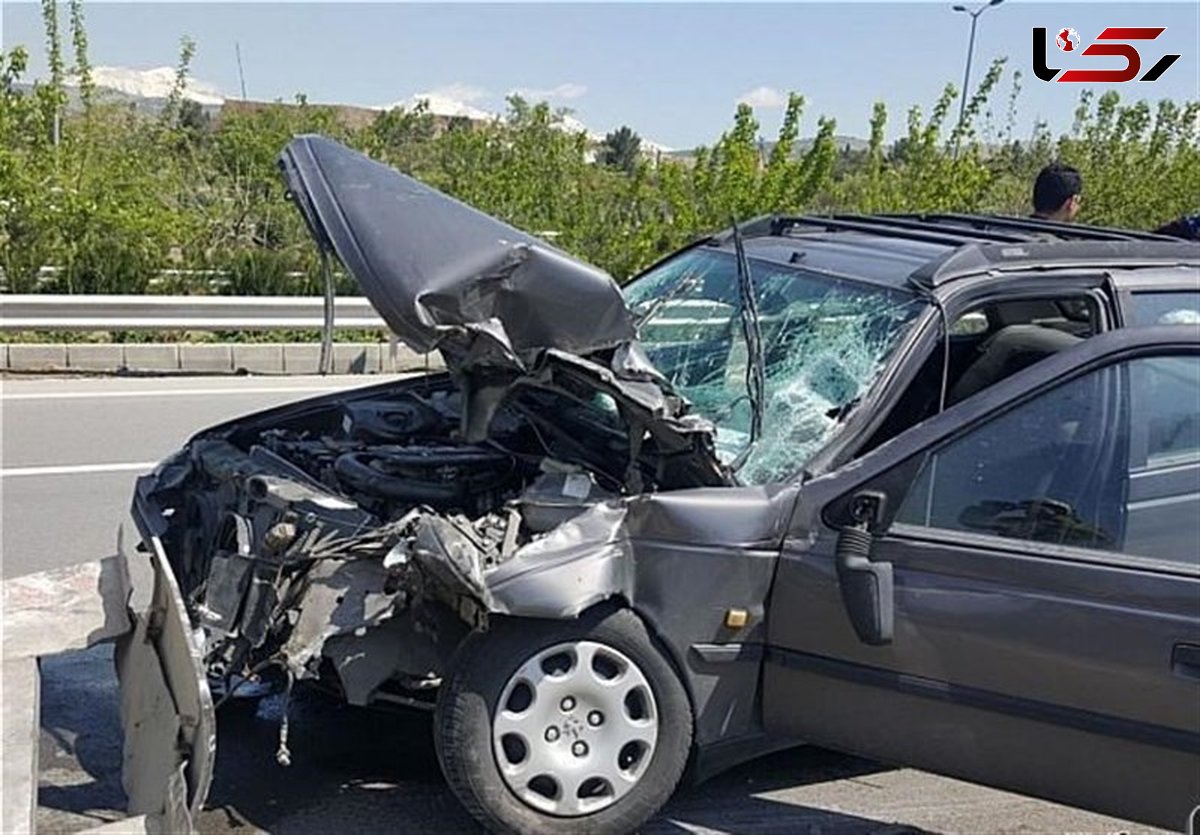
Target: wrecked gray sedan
x,y
867,482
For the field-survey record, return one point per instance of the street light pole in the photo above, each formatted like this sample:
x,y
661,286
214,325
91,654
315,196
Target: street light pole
x,y
962,107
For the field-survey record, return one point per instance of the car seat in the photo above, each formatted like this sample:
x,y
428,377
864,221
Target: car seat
x,y
1008,351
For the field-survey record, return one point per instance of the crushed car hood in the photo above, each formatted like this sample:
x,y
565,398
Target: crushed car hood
x,y
443,275
502,307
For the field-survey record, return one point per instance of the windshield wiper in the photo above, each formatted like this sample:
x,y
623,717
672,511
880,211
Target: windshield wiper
x,y
752,332
686,282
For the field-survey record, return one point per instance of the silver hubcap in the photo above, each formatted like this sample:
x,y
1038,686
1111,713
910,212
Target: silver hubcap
x,y
575,728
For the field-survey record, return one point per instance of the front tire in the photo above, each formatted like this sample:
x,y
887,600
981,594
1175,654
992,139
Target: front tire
x,y
552,726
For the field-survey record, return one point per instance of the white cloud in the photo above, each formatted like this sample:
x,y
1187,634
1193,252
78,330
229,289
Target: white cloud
x,y
768,98
152,84
561,92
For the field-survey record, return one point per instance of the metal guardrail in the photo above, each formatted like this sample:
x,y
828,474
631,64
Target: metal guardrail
x,y
122,313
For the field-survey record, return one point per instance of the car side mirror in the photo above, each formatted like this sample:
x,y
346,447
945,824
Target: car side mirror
x,y
867,589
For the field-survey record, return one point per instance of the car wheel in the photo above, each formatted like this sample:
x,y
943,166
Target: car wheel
x,y
553,726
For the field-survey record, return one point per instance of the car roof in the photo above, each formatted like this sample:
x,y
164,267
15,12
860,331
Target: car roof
x,y
931,250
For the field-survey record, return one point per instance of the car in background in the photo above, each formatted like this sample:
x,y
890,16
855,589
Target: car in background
x,y
923,488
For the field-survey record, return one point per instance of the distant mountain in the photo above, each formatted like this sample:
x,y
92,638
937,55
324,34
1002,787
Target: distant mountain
x,y
840,141
155,83
147,90
440,104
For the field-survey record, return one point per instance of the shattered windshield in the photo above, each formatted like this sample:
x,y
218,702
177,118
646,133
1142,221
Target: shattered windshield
x,y
824,340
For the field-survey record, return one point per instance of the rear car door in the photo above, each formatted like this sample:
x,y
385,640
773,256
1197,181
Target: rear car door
x,y
1017,601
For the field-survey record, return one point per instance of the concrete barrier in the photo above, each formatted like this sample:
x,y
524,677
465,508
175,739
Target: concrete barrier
x,y
302,359
149,357
37,357
22,711
166,708
98,357
213,358
55,611
204,358
258,359
355,359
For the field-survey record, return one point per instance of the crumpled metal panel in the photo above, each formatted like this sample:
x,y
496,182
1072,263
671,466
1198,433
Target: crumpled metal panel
x,y
582,562
342,597
166,707
596,555
152,727
438,269
366,659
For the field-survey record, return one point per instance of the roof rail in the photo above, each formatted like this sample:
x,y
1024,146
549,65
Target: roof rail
x,y
756,227
915,221
1039,226
844,224
977,259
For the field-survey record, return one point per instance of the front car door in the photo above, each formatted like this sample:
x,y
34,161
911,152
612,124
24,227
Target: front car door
x,y
1045,633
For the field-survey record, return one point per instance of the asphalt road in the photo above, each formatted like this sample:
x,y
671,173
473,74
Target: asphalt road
x,y
70,451
72,448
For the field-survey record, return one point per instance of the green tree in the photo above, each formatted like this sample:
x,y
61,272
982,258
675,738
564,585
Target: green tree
x,y
621,149
123,193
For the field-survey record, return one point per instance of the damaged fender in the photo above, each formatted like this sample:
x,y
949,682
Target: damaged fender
x,y
580,563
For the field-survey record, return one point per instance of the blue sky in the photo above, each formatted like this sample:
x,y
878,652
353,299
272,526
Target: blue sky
x,y
673,71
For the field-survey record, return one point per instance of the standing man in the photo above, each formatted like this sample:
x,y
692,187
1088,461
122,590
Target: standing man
x,y
1056,193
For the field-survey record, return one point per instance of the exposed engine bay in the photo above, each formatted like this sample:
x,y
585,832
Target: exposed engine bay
x,y
357,539
301,538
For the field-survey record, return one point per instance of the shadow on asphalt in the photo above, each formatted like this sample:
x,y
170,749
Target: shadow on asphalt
x,y
352,769
80,732
376,771
365,771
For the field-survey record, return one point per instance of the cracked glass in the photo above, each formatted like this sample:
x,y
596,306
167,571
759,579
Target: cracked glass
x,y
825,340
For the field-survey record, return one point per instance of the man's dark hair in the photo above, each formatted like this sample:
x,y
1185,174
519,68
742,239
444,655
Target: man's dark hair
x,y
1055,185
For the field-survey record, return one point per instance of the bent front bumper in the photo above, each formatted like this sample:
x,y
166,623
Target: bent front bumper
x,y
166,706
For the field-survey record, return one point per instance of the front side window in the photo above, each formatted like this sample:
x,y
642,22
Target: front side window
x,y
1108,461
825,340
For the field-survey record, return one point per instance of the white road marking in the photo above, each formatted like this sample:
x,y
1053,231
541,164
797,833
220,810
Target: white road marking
x,y
105,395
78,469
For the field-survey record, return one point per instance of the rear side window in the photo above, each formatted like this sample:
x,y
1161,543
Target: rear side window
x,y
1162,504
1166,413
1166,308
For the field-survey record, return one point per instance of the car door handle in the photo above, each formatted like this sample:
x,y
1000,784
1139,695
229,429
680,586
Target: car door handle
x,y
1185,661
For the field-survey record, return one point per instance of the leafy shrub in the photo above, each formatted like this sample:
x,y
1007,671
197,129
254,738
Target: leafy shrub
x,y
120,196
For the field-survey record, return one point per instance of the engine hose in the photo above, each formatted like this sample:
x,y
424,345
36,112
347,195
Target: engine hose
x,y
362,476
354,468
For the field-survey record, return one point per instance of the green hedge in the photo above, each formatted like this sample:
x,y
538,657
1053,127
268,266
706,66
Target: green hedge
x,y
123,195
